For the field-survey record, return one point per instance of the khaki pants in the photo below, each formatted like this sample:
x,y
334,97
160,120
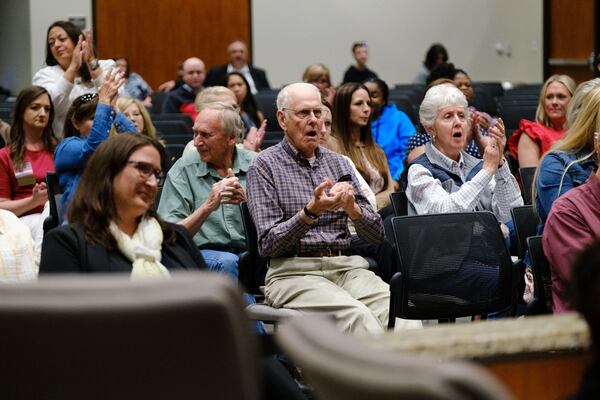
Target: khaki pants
x,y
341,285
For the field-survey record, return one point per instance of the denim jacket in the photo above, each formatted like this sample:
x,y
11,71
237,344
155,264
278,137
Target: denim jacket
x,y
72,154
548,182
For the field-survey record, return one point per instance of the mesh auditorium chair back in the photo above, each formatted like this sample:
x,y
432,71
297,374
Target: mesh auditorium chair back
x,y
451,265
106,337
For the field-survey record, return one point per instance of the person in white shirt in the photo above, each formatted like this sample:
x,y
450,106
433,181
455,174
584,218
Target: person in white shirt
x,y
72,68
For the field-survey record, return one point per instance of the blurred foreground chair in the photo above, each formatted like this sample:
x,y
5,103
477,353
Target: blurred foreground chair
x,y
55,193
339,366
451,265
542,279
106,337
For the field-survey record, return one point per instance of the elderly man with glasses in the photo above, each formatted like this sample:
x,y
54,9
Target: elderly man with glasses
x,y
300,196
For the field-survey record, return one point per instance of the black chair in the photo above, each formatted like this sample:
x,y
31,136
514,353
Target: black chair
x,y
180,139
542,281
173,117
405,104
451,265
174,127
512,115
526,221
54,199
158,98
493,88
252,271
399,203
527,175
266,103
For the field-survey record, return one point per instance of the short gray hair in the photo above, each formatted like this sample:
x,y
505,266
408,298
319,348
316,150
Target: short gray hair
x,y
231,122
437,97
283,98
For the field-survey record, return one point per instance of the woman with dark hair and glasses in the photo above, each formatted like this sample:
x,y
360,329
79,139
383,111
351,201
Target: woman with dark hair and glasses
x,y
88,124
391,127
72,68
113,225
27,158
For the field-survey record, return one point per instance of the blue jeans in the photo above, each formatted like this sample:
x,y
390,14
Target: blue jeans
x,y
221,261
227,263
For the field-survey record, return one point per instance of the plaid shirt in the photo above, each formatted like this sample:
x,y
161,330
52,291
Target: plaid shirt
x,y
281,182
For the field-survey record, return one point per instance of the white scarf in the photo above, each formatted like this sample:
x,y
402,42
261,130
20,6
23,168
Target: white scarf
x,y
142,249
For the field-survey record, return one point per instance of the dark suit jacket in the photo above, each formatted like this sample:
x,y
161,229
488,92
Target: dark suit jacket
x,y
216,77
63,251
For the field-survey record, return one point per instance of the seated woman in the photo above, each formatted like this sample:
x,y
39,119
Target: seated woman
x,y
26,160
572,159
88,124
446,73
447,179
249,111
353,138
72,69
318,75
137,113
391,127
135,86
436,54
533,139
113,224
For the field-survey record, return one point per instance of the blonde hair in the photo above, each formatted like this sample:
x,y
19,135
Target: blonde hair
x,y
316,71
579,138
540,114
123,103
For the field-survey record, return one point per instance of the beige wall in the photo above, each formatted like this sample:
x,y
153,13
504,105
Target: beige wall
x,y
289,34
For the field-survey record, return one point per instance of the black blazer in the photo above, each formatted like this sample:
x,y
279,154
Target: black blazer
x,y
216,77
63,251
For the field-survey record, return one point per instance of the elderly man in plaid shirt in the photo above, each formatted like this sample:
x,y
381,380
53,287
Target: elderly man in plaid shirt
x,y
300,196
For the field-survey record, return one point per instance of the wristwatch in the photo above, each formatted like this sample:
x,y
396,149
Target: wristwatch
x,y
94,64
310,215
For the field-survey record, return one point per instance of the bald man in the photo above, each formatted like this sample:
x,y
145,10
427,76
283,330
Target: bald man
x,y
181,100
237,53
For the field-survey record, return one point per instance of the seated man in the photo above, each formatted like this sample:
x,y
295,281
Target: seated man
x,y
572,225
238,62
359,72
181,99
301,221
203,189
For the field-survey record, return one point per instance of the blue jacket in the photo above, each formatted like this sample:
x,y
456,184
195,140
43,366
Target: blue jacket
x,y
391,131
550,172
72,154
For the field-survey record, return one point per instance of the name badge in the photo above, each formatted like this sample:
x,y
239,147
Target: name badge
x,y
24,174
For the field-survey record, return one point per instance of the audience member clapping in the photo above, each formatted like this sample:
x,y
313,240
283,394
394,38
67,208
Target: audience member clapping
x,y
447,179
72,68
113,225
88,124
26,160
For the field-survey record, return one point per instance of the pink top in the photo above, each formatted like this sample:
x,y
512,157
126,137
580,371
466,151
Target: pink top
x,y
40,162
541,134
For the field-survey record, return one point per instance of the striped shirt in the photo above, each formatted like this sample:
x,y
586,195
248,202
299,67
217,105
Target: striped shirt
x,y
281,181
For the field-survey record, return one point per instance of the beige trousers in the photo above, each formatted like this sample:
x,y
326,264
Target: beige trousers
x,y
343,286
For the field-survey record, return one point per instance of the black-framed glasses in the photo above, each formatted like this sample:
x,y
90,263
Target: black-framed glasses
x,y
146,170
306,112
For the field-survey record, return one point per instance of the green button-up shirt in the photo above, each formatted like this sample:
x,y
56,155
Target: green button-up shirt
x,y
187,187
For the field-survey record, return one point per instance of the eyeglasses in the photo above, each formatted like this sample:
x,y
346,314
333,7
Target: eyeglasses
x,y
305,113
86,98
146,170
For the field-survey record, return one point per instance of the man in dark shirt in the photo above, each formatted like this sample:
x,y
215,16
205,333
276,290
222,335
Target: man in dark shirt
x,y
301,219
359,72
181,99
